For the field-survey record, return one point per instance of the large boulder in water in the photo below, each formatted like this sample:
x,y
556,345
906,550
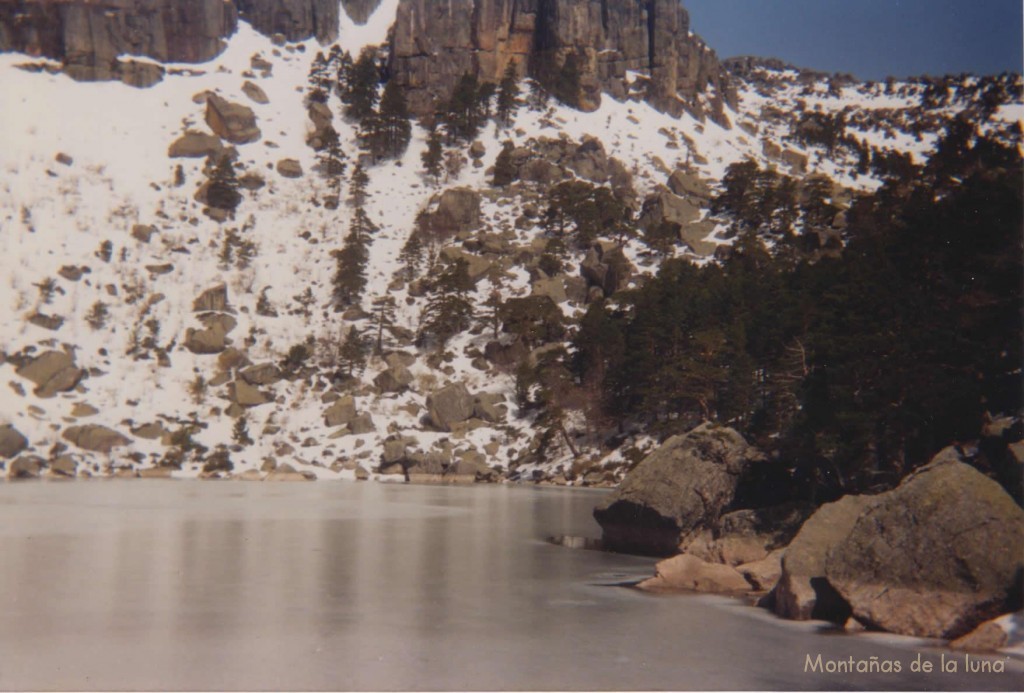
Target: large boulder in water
x,y
682,486
802,592
935,557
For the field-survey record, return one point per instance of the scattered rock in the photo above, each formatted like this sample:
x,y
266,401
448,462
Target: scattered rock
x,y
47,322
449,405
261,374
362,424
52,372
362,474
63,159
987,637
63,466
458,210
12,442
802,592
27,467
143,232
232,121
689,184
213,299
765,573
95,438
683,485
341,412
255,93
935,557
195,145
286,472
245,395
686,572
289,168
397,378
82,410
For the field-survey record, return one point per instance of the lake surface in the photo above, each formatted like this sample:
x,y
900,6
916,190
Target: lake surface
x,y
151,585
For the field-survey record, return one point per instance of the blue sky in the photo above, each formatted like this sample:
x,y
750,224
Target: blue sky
x,y
869,38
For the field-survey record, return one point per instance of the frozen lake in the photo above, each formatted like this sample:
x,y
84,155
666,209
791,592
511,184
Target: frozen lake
x,y
150,585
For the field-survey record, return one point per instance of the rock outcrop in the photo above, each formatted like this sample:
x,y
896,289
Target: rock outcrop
x,y
935,557
296,20
684,485
359,10
802,592
89,36
435,43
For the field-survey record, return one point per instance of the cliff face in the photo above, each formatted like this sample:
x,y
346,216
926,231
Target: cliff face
x,y
436,42
89,35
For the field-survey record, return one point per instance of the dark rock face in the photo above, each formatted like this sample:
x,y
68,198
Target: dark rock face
x,y
89,36
682,486
435,43
296,20
936,557
360,10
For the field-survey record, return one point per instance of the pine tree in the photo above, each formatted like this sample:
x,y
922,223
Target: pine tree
x,y
357,186
508,96
222,192
383,319
319,80
449,310
454,162
463,114
388,132
332,161
433,155
350,272
352,354
504,169
240,432
411,257
360,89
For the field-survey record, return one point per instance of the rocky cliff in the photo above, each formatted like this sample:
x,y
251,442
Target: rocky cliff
x,y
435,43
89,35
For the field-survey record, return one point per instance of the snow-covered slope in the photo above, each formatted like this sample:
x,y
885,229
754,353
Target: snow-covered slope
x,y
86,164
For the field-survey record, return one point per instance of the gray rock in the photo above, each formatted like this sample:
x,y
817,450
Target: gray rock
x,y
212,341
63,466
397,378
254,92
458,210
362,424
261,374
289,168
231,121
935,557
27,467
690,573
802,592
213,299
12,442
52,372
689,184
342,412
95,438
195,145
245,395
684,485
449,405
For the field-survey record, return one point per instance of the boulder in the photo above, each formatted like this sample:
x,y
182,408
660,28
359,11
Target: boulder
x,y
987,637
802,592
686,572
765,573
95,438
11,441
213,299
261,374
796,161
689,184
63,466
255,92
458,210
289,168
746,536
606,269
362,474
52,372
684,485
195,145
664,206
487,407
232,121
362,424
397,378
212,341
935,557
341,412
245,395
286,472
449,405
27,467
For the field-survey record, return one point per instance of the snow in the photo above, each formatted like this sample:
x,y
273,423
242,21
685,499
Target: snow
x,y
54,215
